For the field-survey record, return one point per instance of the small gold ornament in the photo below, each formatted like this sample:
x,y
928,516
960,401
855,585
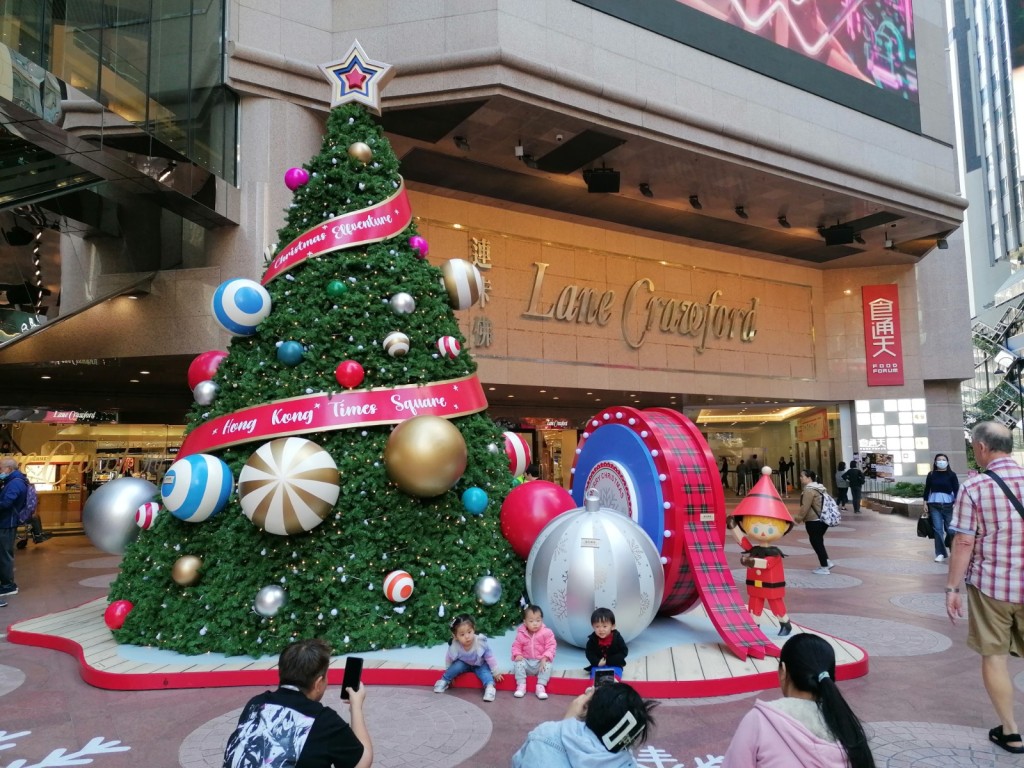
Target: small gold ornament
x,y
186,570
425,456
361,152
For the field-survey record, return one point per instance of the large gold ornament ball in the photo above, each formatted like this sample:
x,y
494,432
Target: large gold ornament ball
x,y
186,570
361,152
425,456
462,282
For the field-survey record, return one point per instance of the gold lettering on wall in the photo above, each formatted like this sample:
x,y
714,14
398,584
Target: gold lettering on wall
x,y
643,311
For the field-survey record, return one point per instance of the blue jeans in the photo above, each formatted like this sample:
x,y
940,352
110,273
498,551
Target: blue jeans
x,y
7,536
941,516
460,667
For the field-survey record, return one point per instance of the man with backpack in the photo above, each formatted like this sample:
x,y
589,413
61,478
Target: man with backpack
x,y
13,495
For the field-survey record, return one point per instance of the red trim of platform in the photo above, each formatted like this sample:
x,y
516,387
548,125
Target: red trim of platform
x,y
665,689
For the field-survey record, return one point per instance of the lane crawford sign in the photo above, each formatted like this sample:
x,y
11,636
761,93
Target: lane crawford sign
x,y
642,310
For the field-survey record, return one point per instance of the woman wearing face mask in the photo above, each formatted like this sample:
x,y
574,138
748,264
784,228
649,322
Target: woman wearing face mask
x,y
940,489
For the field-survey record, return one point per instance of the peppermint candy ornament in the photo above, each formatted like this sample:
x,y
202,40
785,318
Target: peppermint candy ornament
x,y
398,586
146,515
449,347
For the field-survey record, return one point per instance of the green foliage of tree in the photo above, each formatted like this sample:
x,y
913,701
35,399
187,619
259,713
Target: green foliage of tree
x,y
333,575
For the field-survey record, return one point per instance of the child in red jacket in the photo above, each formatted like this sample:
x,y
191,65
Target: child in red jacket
x,y
533,651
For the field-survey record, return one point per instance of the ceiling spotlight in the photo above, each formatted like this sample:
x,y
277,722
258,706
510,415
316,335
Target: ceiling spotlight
x,y
741,212
942,244
695,203
529,160
784,222
645,189
461,142
857,238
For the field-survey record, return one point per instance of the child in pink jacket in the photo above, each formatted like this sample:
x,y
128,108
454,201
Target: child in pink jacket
x,y
533,651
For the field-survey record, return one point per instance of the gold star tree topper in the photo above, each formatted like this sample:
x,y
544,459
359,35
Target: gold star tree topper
x,y
356,77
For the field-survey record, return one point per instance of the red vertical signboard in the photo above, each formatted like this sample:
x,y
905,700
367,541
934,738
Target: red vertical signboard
x,y
883,342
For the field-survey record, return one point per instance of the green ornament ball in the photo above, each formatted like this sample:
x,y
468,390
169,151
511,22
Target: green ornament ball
x,y
336,289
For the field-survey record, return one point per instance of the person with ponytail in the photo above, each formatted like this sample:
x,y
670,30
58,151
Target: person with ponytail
x,y
812,726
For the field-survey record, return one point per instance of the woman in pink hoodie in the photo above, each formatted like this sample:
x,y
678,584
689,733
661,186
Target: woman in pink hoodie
x,y
533,650
812,726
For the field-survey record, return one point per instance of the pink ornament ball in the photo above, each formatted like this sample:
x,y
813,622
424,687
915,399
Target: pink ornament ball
x,y
349,374
518,452
295,178
204,367
530,507
420,245
145,515
116,613
398,586
449,347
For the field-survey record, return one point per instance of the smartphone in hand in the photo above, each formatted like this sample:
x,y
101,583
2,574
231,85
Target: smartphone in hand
x,y
353,673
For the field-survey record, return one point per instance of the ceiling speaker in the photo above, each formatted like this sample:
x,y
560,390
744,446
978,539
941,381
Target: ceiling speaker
x,y
838,235
601,180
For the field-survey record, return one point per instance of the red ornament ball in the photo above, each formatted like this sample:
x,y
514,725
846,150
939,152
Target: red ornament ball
x,y
349,374
449,347
519,454
528,508
204,367
116,613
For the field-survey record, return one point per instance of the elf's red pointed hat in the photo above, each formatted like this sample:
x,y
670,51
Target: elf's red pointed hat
x,y
764,501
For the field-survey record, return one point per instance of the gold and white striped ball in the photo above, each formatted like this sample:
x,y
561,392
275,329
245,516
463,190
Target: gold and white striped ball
x,y
463,283
288,486
396,344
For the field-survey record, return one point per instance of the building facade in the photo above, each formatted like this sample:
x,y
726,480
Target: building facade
x,y
669,209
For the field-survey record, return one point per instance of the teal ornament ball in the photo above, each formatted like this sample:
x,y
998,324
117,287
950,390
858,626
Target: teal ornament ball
x,y
336,289
290,353
475,500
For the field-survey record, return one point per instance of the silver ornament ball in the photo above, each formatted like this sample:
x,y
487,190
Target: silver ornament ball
x,y
594,557
109,514
403,304
205,392
488,590
270,600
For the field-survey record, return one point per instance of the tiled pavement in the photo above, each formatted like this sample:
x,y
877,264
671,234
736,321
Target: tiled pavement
x,y
922,700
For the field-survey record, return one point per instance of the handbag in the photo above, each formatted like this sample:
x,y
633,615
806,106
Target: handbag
x,y
924,527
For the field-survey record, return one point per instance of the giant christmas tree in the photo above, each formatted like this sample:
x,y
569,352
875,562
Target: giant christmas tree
x,y
350,289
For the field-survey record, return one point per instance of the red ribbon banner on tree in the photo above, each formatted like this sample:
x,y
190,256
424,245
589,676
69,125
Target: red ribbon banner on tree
x,y
368,225
324,412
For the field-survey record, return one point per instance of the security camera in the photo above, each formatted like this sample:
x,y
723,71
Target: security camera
x,y
559,137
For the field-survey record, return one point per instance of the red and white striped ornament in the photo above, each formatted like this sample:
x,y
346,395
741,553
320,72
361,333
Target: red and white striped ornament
x,y
145,515
518,452
449,346
398,586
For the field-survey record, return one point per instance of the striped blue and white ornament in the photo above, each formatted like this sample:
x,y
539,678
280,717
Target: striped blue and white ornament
x,y
197,487
239,305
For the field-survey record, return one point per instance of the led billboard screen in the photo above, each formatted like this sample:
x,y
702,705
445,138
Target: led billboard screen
x,y
859,53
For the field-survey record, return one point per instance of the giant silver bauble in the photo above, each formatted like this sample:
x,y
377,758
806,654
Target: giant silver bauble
x,y
205,392
488,590
270,600
109,513
589,558
403,303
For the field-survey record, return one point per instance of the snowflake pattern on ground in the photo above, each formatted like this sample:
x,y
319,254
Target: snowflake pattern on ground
x,y
11,678
896,566
879,637
917,745
924,603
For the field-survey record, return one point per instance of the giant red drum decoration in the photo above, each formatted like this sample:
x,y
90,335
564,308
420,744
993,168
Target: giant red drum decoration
x,y
655,466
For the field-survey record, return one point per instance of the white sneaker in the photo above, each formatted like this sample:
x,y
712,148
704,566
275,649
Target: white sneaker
x,y
441,686
520,691
821,571
489,693
939,558
541,692
830,565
